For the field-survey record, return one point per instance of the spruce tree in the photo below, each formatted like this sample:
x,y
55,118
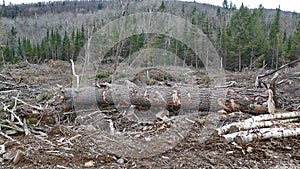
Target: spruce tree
x,y
66,49
275,40
294,44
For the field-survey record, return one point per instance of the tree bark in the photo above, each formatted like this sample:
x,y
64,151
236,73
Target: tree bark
x,y
261,127
265,133
174,99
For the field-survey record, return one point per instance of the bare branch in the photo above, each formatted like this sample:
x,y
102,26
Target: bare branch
x,y
74,73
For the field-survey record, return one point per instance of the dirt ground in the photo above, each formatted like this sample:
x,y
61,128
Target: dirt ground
x,y
63,143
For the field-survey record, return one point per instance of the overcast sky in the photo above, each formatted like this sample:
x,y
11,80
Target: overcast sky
x,y
286,5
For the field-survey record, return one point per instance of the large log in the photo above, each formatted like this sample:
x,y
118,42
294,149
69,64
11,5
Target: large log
x,y
174,99
260,127
265,133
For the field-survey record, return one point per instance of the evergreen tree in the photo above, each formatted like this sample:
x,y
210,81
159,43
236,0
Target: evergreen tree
x,y
257,42
82,36
225,4
77,45
52,44
100,6
239,34
275,40
66,50
12,41
182,9
20,50
162,6
58,44
294,45
8,54
45,50
27,48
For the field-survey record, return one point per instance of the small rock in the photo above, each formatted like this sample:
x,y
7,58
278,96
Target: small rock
x,y
120,161
201,122
162,115
1,160
9,155
249,149
89,164
288,148
145,128
90,128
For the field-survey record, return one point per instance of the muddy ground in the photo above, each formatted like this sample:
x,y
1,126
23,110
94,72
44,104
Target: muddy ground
x,y
57,140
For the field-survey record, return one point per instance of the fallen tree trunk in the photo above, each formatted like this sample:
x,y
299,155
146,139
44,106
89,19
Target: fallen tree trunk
x,y
173,99
265,133
261,127
243,137
264,120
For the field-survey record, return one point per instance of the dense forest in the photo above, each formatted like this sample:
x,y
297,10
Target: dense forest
x,y
245,38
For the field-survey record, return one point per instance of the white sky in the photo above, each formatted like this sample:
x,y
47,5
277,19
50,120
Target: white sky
x,y
286,5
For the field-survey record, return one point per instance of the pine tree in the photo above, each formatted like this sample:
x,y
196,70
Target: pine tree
x,y
225,4
238,38
294,44
45,50
73,41
82,36
27,48
12,40
275,40
66,49
20,50
58,44
76,45
257,42
162,6
52,45
8,54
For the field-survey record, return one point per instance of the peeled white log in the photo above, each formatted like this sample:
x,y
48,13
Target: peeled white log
x,y
259,124
273,116
258,121
265,133
229,137
224,129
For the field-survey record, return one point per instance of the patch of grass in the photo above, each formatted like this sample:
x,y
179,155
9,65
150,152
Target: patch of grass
x,y
151,82
109,79
201,73
206,79
43,96
122,75
31,121
102,75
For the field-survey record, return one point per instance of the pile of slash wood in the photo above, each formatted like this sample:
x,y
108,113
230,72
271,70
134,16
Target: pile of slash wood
x,y
30,109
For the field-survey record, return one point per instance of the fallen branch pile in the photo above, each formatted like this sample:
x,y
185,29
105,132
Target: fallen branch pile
x,y
23,108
